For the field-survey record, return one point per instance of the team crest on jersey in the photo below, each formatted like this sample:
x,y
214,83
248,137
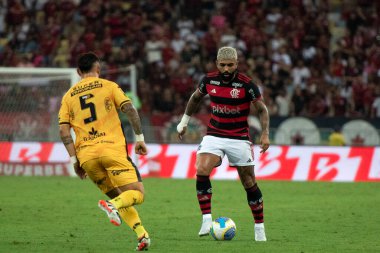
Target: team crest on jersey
x,y
108,104
235,93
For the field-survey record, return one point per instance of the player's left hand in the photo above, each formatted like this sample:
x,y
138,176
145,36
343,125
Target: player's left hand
x,y
264,142
140,148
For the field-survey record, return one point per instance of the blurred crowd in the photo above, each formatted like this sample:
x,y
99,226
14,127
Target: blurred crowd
x,y
310,57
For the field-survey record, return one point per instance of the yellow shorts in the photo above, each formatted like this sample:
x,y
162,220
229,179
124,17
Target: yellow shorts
x,y
111,172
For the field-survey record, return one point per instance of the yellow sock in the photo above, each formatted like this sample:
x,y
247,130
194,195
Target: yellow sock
x,y
140,231
131,217
128,198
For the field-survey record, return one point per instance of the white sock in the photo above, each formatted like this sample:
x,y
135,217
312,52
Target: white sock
x,y
259,225
207,216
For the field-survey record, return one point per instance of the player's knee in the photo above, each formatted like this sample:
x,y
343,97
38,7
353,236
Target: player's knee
x,y
246,184
203,170
138,197
247,180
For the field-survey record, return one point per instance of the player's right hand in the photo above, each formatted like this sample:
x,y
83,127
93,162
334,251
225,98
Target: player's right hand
x,y
77,168
79,171
181,129
182,126
140,148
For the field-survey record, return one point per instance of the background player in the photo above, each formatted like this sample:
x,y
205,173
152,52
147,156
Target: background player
x,y
336,138
90,108
232,96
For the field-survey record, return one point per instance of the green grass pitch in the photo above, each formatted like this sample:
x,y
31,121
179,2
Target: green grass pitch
x,y
59,214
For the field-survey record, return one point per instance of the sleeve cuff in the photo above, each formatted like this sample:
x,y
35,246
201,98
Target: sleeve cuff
x,y
124,102
201,91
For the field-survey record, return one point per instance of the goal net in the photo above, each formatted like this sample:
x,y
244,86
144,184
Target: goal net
x,y
30,99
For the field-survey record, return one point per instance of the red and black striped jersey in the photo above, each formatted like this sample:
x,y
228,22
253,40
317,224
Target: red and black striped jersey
x,y
230,104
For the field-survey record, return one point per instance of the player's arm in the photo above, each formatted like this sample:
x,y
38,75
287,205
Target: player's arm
x,y
193,102
64,132
264,121
191,106
134,120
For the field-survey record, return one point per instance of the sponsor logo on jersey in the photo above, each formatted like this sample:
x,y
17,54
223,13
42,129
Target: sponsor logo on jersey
x,y
225,110
88,86
118,172
252,93
214,82
234,84
213,91
93,134
235,93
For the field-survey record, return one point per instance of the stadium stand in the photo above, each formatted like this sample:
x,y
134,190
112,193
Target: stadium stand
x,y
314,58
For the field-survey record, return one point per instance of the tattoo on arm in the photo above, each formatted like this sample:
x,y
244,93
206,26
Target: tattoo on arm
x,y
133,117
64,132
263,116
193,103
67,140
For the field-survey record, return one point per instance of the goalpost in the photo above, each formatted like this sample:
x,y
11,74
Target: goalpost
x,y
44,75
30,99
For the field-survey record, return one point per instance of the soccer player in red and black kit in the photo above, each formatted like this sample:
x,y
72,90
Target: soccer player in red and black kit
x,y
233,95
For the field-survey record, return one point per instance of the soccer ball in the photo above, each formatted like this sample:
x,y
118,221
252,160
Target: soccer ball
x,y
223,228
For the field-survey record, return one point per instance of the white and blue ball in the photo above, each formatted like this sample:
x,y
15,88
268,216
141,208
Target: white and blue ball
x,y
223,228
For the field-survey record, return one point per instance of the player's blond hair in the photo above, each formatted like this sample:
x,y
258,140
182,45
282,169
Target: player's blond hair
x,y
226,53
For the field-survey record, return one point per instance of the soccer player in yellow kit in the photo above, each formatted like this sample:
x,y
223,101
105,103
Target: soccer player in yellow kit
x,y
100,152
336,138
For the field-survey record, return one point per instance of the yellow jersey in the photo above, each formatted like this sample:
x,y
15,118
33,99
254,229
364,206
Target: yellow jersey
x,y
336,139
90,107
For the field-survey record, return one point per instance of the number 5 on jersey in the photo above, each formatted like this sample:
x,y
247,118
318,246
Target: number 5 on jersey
x,y
90,105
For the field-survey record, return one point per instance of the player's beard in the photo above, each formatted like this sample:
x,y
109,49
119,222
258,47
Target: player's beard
x,y
227,76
